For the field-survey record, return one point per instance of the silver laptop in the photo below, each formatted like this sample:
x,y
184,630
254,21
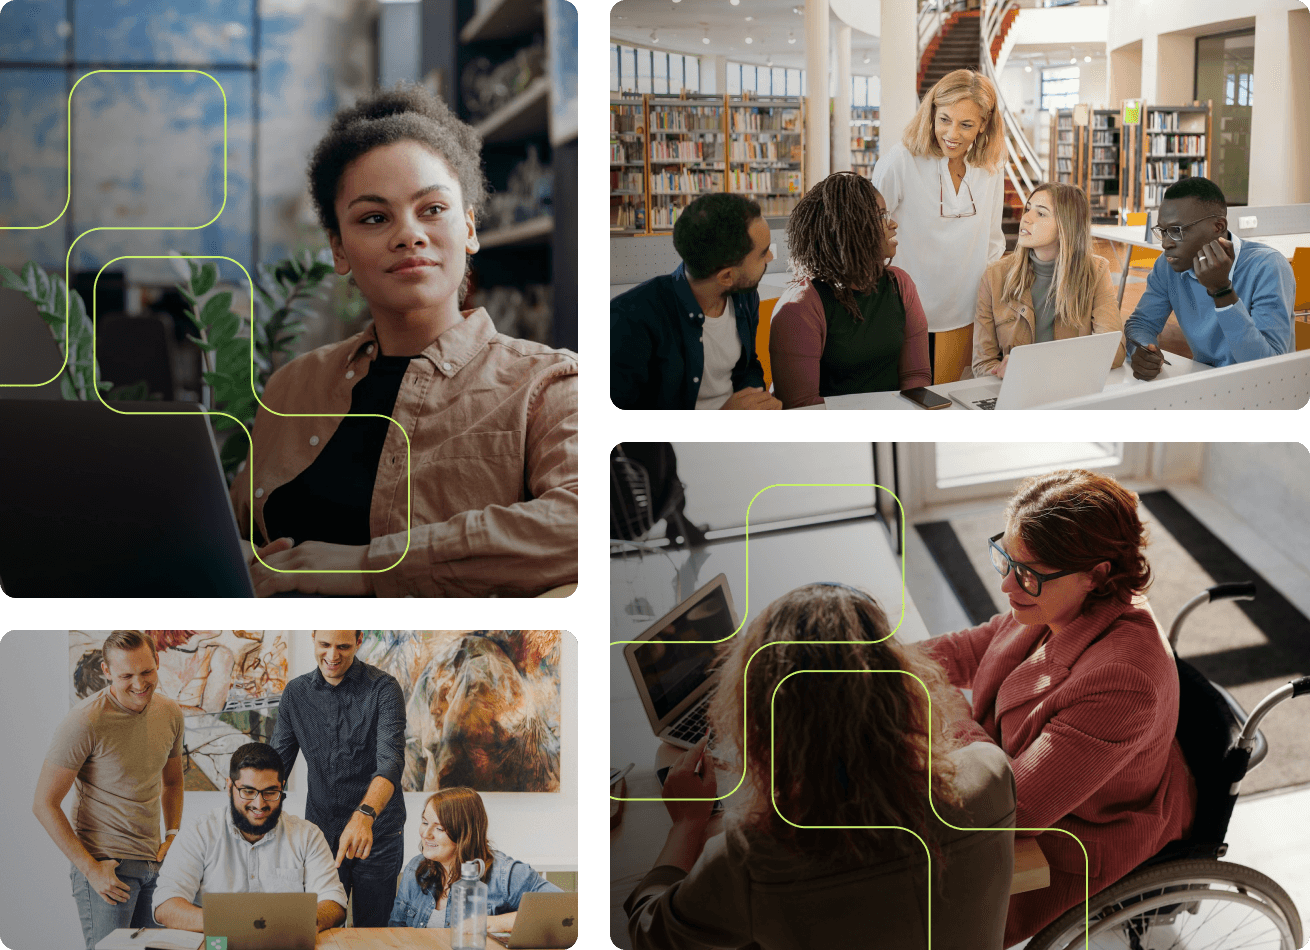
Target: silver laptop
x,y
545,921
262,921
675,678
1041,373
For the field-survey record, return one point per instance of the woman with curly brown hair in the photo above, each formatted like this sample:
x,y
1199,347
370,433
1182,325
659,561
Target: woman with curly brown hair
x,y
1079,688
858,807
850,322
473,490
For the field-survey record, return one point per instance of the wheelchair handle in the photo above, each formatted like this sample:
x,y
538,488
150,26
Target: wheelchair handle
x,y
1236,590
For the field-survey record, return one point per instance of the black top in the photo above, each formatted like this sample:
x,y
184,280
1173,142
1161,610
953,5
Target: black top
x,y
862,356
349,733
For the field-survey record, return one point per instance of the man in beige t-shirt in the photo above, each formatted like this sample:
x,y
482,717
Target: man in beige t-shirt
x,y
122,747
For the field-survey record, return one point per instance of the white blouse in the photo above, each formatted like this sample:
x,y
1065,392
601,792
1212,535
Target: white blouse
x,y
945,256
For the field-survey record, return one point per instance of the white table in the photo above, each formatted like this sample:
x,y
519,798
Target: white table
x,y
857,553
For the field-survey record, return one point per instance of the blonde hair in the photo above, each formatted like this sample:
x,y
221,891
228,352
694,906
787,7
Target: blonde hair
x,y
988,149
869,765
1074,285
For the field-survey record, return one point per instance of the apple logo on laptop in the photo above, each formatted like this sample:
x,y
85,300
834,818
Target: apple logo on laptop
x,y
259,924
567,921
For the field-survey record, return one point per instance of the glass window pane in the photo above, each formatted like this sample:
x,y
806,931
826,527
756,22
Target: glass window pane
x,y
734,79
659,72
693,73
643,71
614,68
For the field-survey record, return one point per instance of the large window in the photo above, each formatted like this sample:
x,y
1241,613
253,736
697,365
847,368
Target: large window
x,y
765,81
1060,87
861,94
637,69
1225,71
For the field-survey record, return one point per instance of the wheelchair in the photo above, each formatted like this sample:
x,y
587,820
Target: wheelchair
x,y
1185,898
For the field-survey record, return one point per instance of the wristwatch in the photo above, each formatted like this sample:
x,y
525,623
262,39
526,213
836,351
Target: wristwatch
x,y
1220,292
368,810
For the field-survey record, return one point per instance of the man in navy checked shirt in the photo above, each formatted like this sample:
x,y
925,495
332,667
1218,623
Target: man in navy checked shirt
x,y
349,720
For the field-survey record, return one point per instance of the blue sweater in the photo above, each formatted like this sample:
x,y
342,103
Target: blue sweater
x,y
508,882
1257,326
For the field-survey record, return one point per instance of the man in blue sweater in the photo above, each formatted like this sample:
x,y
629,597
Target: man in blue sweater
x,y
1233,298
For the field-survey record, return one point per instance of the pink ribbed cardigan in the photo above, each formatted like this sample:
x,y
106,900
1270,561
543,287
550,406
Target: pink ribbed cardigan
x,y
1088,723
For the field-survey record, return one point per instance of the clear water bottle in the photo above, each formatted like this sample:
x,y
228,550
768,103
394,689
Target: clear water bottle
x,y
468,908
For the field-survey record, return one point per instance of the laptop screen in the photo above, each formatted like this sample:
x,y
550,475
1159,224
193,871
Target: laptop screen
x,y
671,667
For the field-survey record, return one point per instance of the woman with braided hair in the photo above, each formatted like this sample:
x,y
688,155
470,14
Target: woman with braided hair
x,y
850,322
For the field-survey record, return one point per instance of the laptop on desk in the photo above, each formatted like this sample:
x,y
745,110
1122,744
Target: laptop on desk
x,y
1041,373
257,921
545,921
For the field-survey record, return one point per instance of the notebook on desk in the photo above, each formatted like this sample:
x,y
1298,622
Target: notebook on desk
x,y
1041,373
152,938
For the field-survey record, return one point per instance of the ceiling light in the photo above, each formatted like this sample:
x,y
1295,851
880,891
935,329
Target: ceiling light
x,y
706,38
796,10
791,37
1087,59
867,57
768,61
749,41
654,37
1073,59
749,19
734,2
1027,69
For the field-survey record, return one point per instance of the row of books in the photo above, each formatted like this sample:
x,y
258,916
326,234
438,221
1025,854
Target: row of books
x,y
776,205
1171,171
686,118
763,149
1100,169
1104,138
766,120
664,215
1064,151
775,181
695,150
625,118
1176,144
625,152
1168,121
685,183
627,216
1103,154
626,181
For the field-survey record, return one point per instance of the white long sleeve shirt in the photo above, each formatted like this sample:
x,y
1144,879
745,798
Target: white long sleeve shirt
x,y
946,257
212,856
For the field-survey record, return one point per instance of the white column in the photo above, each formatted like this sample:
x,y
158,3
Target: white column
x,y
898,68
1277,171
721,74
714,74
841,103
816,92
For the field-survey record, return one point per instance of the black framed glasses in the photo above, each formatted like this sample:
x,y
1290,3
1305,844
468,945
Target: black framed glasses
x,y
248,794
1175,231
1030,581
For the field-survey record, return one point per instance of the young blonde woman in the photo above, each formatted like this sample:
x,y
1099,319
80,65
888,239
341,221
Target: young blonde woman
x,y
851,322
802,861
944,183
1051,288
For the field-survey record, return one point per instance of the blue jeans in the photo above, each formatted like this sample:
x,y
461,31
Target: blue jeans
x,y
372,882
99,917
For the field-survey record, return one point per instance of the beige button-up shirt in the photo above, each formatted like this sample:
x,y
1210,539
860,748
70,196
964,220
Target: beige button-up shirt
x,y
492,459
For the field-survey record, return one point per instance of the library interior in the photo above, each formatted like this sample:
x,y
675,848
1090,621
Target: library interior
x,y
1119,99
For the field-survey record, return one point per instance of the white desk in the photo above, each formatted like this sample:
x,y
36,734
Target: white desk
x,y
857,553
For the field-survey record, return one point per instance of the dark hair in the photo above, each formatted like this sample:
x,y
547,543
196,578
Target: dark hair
x,y
126,641
1075,519
1202,189
835,234
406,112
713,233
464,819
259,756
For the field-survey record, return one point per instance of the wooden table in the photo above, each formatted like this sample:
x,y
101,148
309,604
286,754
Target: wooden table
x,y
389,938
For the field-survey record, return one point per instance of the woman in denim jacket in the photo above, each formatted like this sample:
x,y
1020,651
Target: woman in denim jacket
x,y
453,830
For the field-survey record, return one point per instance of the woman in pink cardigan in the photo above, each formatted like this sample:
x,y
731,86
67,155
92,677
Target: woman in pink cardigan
x,y
1078,688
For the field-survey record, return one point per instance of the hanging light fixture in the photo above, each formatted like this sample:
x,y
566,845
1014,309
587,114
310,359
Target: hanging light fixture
x,y
1087,59
1028,68
791,37
867,57
749,41
654,37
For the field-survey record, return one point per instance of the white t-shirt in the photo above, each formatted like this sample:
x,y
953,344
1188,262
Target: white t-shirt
x,y
722,352
946,257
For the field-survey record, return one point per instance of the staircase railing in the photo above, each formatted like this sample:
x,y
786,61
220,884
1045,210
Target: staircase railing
x,y
932,14
1020,154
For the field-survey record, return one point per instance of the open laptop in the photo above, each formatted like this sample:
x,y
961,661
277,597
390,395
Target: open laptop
x,y
674,678
1041,373
262,921
545,921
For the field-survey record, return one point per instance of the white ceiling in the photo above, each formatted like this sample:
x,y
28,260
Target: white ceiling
x,y
681,28
1038,55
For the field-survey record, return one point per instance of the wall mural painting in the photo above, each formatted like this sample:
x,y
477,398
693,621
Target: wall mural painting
x,y
482,707
227,682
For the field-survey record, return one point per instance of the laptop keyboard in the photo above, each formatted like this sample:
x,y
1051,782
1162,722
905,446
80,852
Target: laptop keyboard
x,y
691,727
985,403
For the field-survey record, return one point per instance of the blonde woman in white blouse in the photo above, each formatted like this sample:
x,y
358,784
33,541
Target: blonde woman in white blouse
x,y
945,185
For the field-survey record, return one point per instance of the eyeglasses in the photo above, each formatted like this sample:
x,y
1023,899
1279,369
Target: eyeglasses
x,y
268,794
1030,581
1175,232
942,199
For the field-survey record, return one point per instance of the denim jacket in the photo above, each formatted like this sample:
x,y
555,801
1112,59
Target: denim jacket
x,y
508,881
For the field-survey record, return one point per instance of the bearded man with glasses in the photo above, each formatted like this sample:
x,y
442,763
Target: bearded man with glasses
x,y
1079,688
248,846
1233,297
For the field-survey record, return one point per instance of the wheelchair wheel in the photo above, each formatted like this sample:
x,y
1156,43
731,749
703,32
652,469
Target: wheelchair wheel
x,y
1181,905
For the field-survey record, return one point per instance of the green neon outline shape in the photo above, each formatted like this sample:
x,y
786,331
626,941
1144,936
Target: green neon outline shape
x,y
409,481
772,722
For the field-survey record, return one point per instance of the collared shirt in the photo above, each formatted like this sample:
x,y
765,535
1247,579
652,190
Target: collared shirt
x,y
657,351
350,733
492,426
507,882
211,856
1258,325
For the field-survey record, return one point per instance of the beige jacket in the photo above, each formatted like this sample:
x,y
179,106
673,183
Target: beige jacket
x,y
999,327
747,891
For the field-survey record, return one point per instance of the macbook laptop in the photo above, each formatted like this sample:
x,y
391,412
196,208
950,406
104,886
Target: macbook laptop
x,y
1041,373
262,921
674,677
98,504
545,921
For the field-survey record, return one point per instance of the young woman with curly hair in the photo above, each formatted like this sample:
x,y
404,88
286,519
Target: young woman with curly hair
x,y
473,490
944,182
1078,687
850,322
843,818
1051,288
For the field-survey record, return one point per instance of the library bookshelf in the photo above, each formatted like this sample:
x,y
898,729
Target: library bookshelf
x,y
864,139
1099,162
1063,147
1170,143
